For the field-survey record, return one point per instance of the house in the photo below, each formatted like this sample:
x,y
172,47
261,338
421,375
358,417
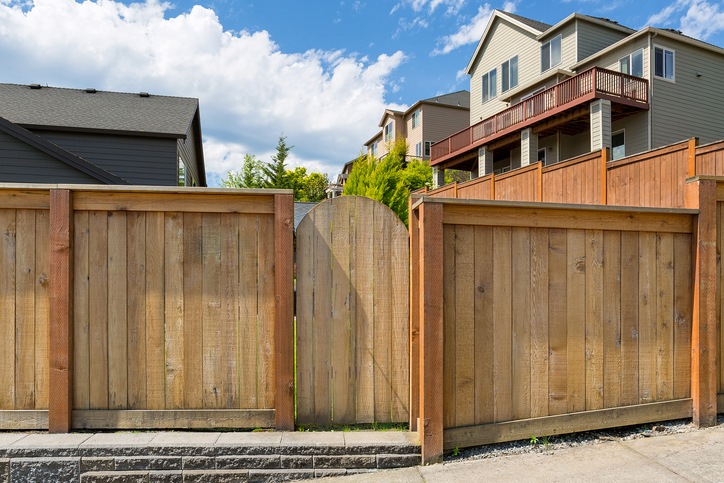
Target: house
x,y
57,135
551,92
335,189
424,123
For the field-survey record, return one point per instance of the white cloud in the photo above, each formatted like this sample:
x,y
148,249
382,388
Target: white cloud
x,y
664,16
453,6
326,102
467,34
509,7
701,20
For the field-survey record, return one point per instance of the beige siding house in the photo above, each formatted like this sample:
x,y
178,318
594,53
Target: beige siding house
x,y
424,123
548,93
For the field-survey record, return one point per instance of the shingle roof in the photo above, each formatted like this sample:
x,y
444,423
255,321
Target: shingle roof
x,y
99,111
540,26
459,98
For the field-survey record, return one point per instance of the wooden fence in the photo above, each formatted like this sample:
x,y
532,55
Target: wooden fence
x,y
655,178
539,319
352,313
168,308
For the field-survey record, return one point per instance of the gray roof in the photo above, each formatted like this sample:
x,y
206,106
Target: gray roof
x,y
459,98
102,111
301,208
540,26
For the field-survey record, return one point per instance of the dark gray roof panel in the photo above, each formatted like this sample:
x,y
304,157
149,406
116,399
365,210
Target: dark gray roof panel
x,y
459,98
99,111
539,26
301,208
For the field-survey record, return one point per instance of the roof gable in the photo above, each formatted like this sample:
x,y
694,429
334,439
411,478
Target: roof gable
x,y
390,113
506,17
60,154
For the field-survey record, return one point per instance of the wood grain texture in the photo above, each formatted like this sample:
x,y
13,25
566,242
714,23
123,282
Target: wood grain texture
x,y
502,323
81,314
448,330
42,306
136,290
365,309
464,326
539,332
400,348
98,307
630,333
193,310
248,309
484,348
521,323
229,281
212,324
174,309
557,323
343,401
174,419
284,310
25,310
117,312
576,320
266,369
155,320
611,319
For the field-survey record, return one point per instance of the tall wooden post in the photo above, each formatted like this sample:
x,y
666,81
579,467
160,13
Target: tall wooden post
x,y
284,310
701,194
691,171
414,315
60,332
605,156
431,324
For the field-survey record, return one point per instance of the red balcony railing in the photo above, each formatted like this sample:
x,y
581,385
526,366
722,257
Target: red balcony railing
x,y
596,81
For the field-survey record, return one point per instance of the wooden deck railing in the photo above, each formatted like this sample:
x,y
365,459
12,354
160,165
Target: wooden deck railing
x,y
596,81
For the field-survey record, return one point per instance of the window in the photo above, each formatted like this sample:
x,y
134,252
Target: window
x,y
550,54
664,63
418,150
618,145
490,85
415,119
632,64
388,131
509,74
427,148
542,155
373,148
537,91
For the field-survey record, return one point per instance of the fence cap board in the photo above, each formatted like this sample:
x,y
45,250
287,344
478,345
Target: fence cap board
x,y
705,177
147,189
567,206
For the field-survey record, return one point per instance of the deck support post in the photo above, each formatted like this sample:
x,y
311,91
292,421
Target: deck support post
x,y
600,124
438,177
485,161
528,147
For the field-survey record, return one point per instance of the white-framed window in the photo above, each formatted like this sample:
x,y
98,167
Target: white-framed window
x,y
542,155
632,64
537,91
388,131
618,144
509,74
415,119
550,53
418,150
428,145
490,85
664,63
373,148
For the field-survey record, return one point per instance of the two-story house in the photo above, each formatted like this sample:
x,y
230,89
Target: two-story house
x,y
424,123
552,92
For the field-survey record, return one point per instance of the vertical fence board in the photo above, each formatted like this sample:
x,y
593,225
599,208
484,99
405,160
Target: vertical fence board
x,y
81,314
682,316
576,320
25,310
521,313
248,307
193,310
539,331
155,342
484,349
266,364
174,309
322,299
594,319
305,322
98,307
629,318
136,249
664,316
383,312
211,311
611,319
42,306
464,326
364,313
647,317
229,278
400,350
117,312
557,322
7,310
502,328
343,406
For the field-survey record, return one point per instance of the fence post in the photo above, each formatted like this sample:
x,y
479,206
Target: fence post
x,y
693,143
701,194
431,325
605,156
492,186
455,190
540,180
284,310
414,315
60,330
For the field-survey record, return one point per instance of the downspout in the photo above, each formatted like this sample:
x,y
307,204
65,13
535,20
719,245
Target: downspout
x,y
651,89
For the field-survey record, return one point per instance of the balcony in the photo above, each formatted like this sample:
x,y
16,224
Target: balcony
x,y
595,83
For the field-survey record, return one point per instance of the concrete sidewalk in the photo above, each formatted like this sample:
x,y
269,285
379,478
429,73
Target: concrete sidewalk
x,y
694,457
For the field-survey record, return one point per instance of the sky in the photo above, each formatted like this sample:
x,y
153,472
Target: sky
x,y
320,73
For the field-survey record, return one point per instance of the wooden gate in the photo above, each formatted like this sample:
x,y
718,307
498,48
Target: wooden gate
x,y
352,314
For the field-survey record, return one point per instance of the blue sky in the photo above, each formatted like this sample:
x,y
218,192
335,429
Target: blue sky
x,y
320,72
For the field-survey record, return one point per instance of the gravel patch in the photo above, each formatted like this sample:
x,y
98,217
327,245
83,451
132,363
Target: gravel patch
x,y
546,445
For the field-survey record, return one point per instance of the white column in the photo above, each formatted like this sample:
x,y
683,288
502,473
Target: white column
x,y
528,147
600,124
438,177
485,161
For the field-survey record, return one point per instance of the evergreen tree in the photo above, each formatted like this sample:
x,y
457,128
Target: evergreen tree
x,y
276,171
248,177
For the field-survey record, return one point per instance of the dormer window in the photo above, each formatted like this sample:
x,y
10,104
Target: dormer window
x,y
490,85
550,53
388,131
415,119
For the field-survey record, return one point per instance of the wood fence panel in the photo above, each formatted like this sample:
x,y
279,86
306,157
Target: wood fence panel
x,y
24,305
583,320
352,314
719,296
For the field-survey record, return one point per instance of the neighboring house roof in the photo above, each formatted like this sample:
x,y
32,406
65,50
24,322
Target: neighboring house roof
x,y
603,22
541,26
454,99
373,138
347,168
59,153
389,112
301,208
96,111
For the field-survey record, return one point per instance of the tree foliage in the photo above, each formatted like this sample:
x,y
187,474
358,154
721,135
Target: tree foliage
x,y
275,173
249,177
